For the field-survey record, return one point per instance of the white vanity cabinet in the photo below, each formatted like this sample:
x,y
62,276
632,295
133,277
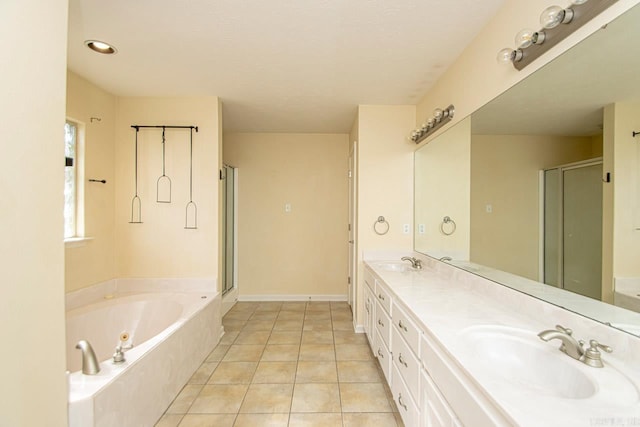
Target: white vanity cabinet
x,y
382,325
369,310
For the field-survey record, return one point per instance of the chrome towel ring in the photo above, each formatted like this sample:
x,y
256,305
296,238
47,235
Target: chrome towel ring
x,y
452,228
381,226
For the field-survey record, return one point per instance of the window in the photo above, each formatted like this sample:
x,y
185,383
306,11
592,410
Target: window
x,y
70,180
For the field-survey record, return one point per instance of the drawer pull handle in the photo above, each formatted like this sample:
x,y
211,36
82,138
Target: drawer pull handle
x,y
380,323
380,354
380,296
400,401
402,361
401,326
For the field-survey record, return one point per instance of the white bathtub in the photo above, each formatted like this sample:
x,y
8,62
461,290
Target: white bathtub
x,y
171,334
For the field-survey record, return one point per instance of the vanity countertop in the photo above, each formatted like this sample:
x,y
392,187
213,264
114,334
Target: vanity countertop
x,y
449,303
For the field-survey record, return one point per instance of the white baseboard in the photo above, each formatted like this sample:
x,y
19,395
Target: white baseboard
x,y
359,329
272,297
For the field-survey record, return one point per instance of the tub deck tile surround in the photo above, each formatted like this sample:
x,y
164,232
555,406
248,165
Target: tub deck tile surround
x,y
286,364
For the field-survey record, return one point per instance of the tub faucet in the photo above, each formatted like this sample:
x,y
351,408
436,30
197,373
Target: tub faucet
x,y
415,263
446,258
569,344
90,364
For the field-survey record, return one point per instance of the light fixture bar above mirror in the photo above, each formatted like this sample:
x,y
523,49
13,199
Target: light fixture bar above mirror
x,y
557,23
439,118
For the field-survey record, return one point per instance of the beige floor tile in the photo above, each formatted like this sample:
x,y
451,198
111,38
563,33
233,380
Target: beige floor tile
x,y
233,325
324,352
218,353
349,337
264,315
294,306
363,397
291,315
318,306
169,420
208,420
267,399
229,337
316,372
244,306
317,325
233,373
269,306
317,337
343,325
185,398
237,315
285,337
317,316
262,420
280,353
202,374
253,337
258,325
355,371
369,419
339,305
316,420
341,315
316,398
244,353
287,325
275,373
219,399
353,352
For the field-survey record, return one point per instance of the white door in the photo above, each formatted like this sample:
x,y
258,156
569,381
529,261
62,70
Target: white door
x,y
352,226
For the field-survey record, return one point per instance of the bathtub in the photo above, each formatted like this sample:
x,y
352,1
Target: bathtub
x,y
169,334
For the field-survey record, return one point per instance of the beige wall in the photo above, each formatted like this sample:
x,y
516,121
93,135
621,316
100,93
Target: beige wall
x,y
476,77
626,189
33,391
442,182
93,261
505,174
302,252
385,181
161,247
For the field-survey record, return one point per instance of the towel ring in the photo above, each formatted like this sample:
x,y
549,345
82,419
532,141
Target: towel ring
x,y
447,220
384,223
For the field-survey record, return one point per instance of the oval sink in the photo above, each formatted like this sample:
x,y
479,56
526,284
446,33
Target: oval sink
x,y
519,358
393,266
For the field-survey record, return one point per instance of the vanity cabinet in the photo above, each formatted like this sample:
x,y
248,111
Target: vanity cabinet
x,y
382,325
369,310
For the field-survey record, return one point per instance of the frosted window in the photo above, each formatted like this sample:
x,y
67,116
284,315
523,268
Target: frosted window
x,y
70,209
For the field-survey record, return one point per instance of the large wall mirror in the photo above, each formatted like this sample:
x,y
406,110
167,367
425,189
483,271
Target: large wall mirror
x,y
543,182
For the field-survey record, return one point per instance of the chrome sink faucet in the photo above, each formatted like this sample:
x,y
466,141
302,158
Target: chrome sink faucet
x,y
571,347
415,263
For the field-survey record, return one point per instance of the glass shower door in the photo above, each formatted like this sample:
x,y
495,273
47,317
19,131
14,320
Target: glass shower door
x,y
228,221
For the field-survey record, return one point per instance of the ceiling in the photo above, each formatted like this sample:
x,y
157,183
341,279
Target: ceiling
x,y
567,96
278,66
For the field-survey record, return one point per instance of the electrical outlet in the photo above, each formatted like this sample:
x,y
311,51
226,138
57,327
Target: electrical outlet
x,y
405,228
287,207
421,228
489,208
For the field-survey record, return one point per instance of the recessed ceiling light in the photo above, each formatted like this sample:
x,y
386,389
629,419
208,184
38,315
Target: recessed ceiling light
x,y
100,47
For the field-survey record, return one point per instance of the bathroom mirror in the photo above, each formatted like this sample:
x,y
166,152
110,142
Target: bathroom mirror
x,y
539,183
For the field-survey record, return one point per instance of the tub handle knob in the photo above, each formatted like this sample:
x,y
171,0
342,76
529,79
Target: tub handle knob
x,y
118,356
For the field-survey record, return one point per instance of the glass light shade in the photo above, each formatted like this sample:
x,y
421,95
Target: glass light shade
x,y
430,123
551,17
579,1
525,38
437,113
505,56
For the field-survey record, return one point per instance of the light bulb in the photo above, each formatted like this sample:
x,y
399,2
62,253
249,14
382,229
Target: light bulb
x,y
430,123
506,55
524,38
553,16
579,1
437,114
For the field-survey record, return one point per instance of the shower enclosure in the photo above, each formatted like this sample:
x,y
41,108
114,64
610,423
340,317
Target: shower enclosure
x,y
229,220
573,227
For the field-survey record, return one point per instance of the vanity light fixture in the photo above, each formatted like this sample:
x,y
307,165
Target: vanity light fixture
x,y
557,23
439,118
100,47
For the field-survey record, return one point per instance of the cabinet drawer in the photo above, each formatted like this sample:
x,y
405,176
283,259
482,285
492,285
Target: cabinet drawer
x,y
383,296
406,363
384,357
407,329
383,325
369,280
406,406
435,409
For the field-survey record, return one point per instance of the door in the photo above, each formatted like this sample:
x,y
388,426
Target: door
x,y
352,226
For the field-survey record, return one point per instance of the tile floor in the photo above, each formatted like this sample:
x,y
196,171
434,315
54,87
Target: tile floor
x,y
286,364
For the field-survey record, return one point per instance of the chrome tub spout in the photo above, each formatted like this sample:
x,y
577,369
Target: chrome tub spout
x,y
90,364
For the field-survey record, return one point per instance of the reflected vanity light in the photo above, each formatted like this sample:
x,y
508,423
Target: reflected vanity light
x,y
100,47
557,23
438,119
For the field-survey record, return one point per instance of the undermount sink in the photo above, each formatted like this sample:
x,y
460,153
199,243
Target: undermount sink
x,y
396,266
522,360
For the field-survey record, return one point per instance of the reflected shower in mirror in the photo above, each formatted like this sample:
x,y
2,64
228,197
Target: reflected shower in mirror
x,y
553,178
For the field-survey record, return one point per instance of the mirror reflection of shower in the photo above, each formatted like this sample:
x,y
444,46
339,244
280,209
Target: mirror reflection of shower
x,y
572,230
229,176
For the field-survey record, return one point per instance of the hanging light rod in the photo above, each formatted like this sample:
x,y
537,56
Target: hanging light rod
x,y
138,127
436,121
557,23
